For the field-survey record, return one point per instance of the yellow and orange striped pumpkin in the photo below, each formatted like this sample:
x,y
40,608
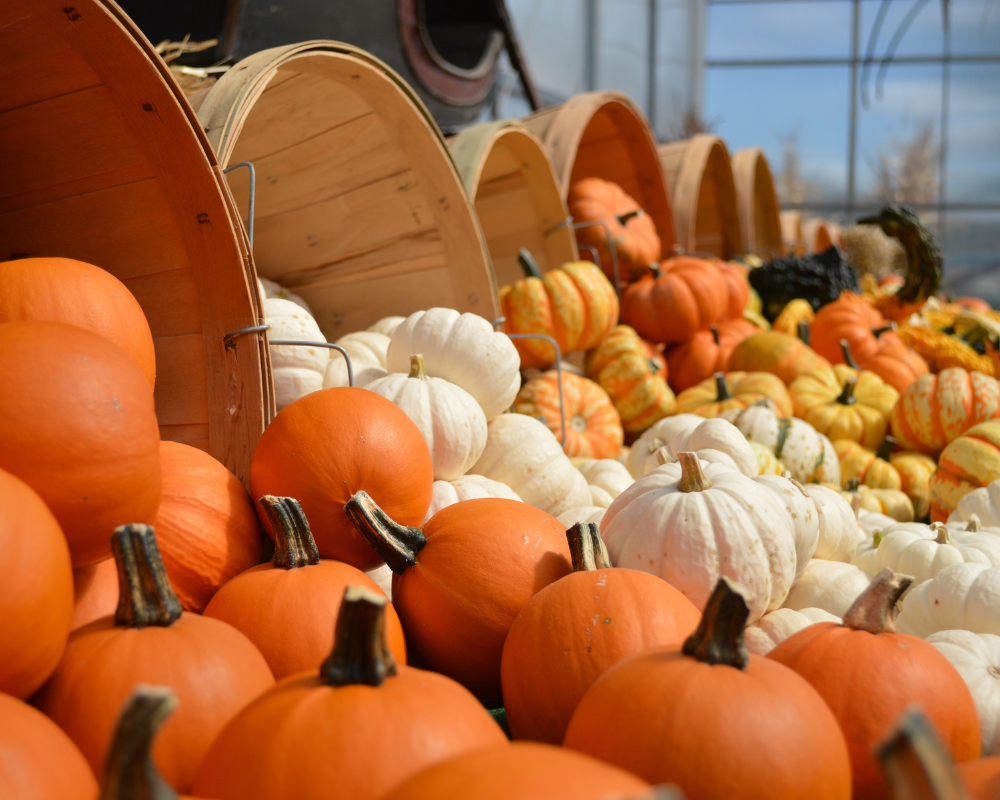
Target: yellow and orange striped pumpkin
x,y
937,409
593,427
915,470
621,366
575,305
969,462
872,469
739,390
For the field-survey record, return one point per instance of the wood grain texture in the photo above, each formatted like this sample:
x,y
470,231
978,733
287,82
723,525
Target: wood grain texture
x,y
757,204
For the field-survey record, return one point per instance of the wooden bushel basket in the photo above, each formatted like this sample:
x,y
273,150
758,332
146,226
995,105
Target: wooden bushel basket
x,y
757,203
700,179
791,233
817,234
359,208
506,172
604,135
101,160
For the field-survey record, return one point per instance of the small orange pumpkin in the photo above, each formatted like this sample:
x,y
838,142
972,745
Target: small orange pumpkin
x,y
869,468
738,390
706,353
593,427
967,463
915,470
778,353
95,592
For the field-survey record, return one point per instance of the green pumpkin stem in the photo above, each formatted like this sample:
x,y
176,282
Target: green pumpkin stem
x,y
719,638
877,538
586,547
655,271
397,544
294,545
145,596
417,367
361,653
845,348
804,331
852,485
875,609
876,332
721,390
885,449
129,770
528,264
715,335
693,477
847,397
915,763
623,219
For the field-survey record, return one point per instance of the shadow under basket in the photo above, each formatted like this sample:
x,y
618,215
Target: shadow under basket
x,y
102,160
699,177
604,135
506,171
359,208
757,204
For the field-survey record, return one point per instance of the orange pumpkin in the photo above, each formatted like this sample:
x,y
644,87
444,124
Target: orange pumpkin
x,y
77,425
675,300
633,373
36,589
64,290
737,288
575,305
738,390
974,304
206,525
328,445
522,770
981,778
895,363
353,729
632,229
593,427
457,610
576,628
969,462
95,592
778,353
212,667
898,670
869,468
37,760
706,353
289,608
937,409
713,720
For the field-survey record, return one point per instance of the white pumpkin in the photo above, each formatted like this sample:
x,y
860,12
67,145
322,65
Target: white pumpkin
x,y
468,487
387,325
802,516
270,289
830,585
807,454
983,502
656,436
839,534
694,522
464,350
448,417
522,453
297,369
666,456
866,556
599,497
871,521
960,597
367,352
383,577
607,474
772,629
718,434
976,657
585,514
922,551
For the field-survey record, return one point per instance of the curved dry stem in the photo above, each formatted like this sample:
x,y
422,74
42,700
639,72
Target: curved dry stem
x,y
417,367
397,544
719,638
693,477
294,545
916,765
361,653
586,547
721,390
875,609
145,596
129,770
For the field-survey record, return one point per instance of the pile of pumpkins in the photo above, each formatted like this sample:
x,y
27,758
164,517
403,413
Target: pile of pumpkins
x,y
418,575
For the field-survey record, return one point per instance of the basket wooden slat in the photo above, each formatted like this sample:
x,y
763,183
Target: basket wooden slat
x,y
757,203
817,235
604,135
359,208
791,232
699,177
99,161
506,171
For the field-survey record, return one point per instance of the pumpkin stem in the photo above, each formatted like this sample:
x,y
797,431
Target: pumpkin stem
x,y
847,397
587,547
417,369
397,544
623,219
875,609
799,486
655,271
974,524
294,545
852,485
804,331
715,335
845,348
941,530
876,332
528,264
655,444
693,477
886,448
145,596
856,504
915,763
361,653
664,456
877,538
129,770
719,638
721,390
